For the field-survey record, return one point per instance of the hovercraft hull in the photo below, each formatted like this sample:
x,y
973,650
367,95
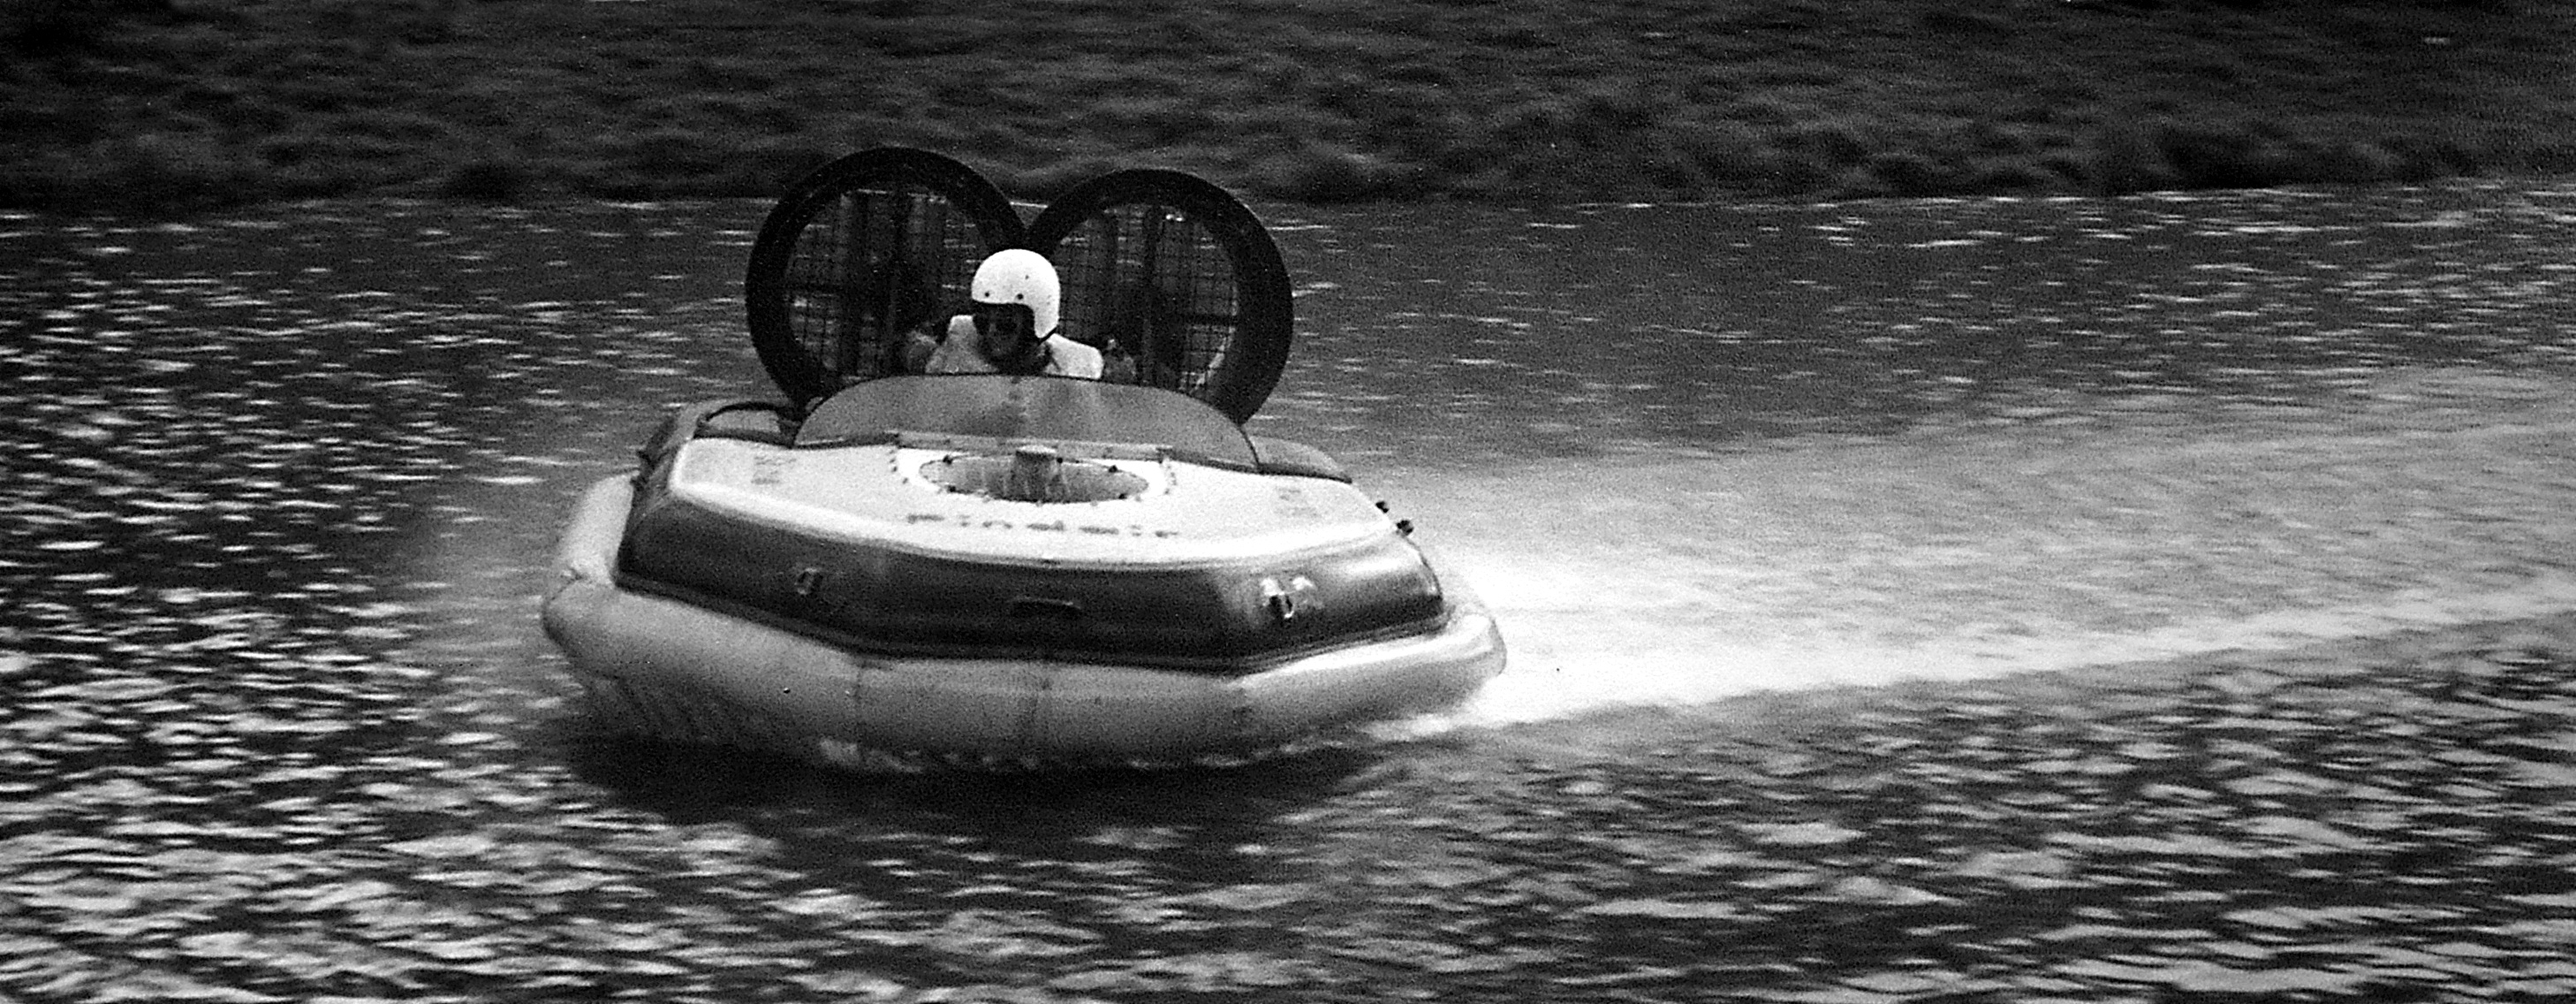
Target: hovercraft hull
x,y
665,666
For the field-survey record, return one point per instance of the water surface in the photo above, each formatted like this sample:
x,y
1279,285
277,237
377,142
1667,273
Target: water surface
x,y
2143,599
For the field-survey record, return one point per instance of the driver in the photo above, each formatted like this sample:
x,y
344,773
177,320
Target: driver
x,y
1009,326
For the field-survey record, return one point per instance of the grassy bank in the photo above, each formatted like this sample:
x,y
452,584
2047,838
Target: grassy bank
x,y
180,104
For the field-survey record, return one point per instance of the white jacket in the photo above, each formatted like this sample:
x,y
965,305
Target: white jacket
x,y
963,352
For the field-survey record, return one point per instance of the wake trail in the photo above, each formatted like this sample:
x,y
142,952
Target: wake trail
x,y
1981,552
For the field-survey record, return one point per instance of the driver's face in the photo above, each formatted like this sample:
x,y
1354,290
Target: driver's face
x,y
1006,327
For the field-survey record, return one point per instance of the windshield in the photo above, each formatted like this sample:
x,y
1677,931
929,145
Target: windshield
x,y
1028,407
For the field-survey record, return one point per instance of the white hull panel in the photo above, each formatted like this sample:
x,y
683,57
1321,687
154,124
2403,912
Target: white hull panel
x,y
663,667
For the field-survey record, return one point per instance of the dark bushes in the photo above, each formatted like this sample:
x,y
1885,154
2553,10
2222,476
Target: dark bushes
x,y
191,101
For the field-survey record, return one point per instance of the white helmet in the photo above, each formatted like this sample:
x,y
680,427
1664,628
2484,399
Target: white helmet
x,y
1023,277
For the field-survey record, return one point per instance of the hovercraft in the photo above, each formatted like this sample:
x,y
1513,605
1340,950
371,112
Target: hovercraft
x,y
992,568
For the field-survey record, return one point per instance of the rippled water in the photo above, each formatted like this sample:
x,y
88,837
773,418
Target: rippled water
x,y
2144,599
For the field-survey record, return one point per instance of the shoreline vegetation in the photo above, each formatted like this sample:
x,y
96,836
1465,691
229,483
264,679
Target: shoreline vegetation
x,y
176,106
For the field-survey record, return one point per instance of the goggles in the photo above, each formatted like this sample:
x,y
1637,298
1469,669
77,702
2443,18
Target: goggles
x,y
1005,323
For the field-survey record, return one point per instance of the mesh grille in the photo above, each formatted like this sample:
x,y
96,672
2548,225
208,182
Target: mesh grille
x,y
1171,277
1162,293
870,266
